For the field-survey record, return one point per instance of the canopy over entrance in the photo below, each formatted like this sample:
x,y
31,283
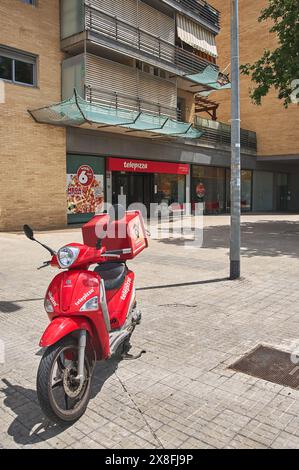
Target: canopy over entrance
x,y
77,112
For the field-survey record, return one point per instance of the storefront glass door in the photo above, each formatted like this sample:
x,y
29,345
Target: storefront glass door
x,y
282,192
137,187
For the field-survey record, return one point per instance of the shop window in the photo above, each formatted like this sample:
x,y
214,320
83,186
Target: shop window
x,y
169,189
246,190
16,67
85,187
208,187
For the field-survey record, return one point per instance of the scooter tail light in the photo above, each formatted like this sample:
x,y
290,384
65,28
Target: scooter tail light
x,y
90,305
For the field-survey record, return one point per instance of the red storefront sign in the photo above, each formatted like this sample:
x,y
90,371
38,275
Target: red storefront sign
x,y
146,166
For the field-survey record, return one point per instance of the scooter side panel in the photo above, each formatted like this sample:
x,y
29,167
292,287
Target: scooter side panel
x,y
68,292
120,301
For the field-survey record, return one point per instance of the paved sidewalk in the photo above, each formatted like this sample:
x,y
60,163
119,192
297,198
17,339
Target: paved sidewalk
x,y
180,394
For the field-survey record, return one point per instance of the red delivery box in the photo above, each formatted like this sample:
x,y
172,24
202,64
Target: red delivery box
x,y
127,233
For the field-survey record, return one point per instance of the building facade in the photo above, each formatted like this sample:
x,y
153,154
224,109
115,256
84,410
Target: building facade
x,y
276,127
108,98
32,156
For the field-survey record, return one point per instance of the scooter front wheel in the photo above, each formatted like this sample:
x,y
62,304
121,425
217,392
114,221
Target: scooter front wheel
x,y
62,397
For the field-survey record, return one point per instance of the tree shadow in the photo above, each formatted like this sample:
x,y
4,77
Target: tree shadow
x,y
11,306
262,238
29,425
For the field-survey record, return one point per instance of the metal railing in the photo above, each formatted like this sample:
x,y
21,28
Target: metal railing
x,y
202,9
219,134
111,27
121,101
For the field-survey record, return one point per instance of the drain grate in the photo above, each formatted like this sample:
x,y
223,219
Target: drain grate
x,y
269,364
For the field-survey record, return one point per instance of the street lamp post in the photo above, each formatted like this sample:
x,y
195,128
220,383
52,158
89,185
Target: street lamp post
x,y
235,237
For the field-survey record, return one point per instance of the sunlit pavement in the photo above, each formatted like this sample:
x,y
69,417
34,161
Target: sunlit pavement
x,y
196,322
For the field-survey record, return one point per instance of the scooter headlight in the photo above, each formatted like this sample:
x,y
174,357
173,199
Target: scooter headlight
x,y
67,256
48,306
90,305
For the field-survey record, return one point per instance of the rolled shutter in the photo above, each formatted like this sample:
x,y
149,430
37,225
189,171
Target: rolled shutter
x,y
108,6
156,92
106,78
125,10
156,23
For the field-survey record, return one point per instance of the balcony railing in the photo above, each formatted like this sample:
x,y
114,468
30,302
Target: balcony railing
x,y
111,27
122,101
202,9
219,134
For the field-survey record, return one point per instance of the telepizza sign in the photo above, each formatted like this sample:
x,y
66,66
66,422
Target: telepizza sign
x,y
146,166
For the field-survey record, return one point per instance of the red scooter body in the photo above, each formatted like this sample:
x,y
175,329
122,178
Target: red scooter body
x,y
91,313
67,293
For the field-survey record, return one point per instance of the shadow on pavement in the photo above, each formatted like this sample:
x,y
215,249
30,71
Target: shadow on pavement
x,y
264,238
184,284
11,306
29,425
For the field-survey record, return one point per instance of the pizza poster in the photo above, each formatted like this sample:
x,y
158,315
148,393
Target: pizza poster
x,y
85,191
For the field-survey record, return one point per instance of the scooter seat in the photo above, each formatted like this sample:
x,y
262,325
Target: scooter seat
x,y
113,274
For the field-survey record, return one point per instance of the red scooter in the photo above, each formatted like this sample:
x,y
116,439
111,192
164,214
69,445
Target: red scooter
x,y
92,313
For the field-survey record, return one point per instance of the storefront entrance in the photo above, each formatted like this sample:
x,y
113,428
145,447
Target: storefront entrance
x,y
147,182
138,188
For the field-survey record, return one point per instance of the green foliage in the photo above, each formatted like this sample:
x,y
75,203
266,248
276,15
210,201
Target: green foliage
x,y
277,69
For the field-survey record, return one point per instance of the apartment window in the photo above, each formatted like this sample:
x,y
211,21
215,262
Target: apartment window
x,y
30,2
16,67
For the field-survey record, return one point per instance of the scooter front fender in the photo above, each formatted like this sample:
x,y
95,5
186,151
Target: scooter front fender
x,y
63,326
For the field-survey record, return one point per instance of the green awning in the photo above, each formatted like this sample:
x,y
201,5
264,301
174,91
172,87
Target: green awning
x,y
211,78
77,112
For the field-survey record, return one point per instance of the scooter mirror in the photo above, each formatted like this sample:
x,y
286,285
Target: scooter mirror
x,y
28,232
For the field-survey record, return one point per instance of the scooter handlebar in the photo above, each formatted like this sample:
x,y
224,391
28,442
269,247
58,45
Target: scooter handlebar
x,y
116,253
44,265
110,255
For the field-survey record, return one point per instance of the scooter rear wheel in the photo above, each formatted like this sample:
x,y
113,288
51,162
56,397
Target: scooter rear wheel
x,y
61,396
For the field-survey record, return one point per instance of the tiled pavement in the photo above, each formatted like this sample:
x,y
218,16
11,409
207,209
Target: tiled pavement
x,y
180,394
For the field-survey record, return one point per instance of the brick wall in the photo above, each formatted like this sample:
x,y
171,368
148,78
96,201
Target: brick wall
x,y
33,156
276,127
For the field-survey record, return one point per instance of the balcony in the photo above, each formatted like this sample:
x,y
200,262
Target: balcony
x,y
199,11
111,33
123,102
218,134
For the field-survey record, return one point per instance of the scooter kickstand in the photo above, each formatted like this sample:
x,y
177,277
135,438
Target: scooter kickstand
x,y
129,357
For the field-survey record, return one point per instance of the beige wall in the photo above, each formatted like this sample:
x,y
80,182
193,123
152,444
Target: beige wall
x,y
189,104
33,156
276,127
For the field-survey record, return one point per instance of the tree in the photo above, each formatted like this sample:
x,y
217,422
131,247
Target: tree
x,y
278,69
